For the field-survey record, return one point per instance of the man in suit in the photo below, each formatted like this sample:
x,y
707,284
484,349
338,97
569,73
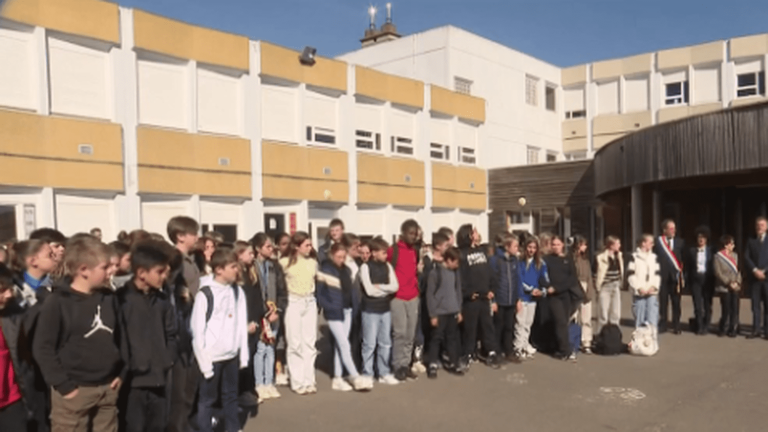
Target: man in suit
x,y
669,250
700,278
756,259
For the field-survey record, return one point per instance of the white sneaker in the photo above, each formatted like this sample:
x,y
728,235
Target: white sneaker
x,y
312,389
360,383
273,393
418,368
301,391
339,384
389,380
281,379
264,393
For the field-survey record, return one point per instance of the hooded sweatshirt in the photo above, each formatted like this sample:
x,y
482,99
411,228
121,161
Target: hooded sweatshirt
x,y
476,274
406,270
80,340
444,291
532,278
225,335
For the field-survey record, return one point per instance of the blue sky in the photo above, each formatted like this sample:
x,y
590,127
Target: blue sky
x,y
561,32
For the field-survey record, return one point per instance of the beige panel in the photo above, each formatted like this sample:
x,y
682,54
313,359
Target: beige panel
x,y
60,174
707,53
674,58
608,124
599,141
706,108
287,160
386,87
175,38
90,18
574,145
451,199
166,148
460,179
285,188
627,66
673,113
280,62
749,46
693,55
457,104
573,75
747,101
574,128
375,169
395,195
184,182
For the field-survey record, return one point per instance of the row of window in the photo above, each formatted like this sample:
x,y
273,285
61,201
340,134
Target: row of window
x,y
464,86
400,145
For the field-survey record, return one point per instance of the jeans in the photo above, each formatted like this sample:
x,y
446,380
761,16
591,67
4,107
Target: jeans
x,y
504,323
405,315
377,336
301,336
646,310
610,305
342,351
146,410
574,336
264,361
223,384
523,329
759,296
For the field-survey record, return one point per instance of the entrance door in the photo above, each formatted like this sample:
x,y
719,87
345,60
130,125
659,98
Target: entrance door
x,y
8,230
274,224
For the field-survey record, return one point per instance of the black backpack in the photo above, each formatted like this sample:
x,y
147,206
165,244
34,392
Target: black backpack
x,y
609,341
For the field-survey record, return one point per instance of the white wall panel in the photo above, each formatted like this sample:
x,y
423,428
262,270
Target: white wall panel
x,y
574,99
706,85
440,131
755,65
637,94
401,124
466,136
80,83
219,213
608,97
155,215
278,113
367,117
674,77
163,95
80,214
219,107
370,222
320,110
18,72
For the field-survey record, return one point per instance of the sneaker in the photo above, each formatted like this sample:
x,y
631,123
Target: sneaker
x,y
389,380
409,374
360,383
572,357
312,389
418,351
339,384
263,393
273,392
492,360
401,374
586,350
281,379
301,391
432,371
419,368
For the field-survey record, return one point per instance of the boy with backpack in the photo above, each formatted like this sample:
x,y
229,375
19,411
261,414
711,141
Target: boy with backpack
x,y
150,323
220,340
81,344
444,297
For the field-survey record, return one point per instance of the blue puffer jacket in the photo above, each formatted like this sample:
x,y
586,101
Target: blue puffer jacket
x,y
329,291
509,287
532,278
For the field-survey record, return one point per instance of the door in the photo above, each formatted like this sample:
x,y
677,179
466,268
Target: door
x,y
274,224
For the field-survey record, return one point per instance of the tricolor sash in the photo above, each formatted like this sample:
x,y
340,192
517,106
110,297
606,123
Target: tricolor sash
x,y
670,254
729,260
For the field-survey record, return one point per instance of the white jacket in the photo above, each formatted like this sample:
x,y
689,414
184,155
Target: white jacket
x,y
225,335
644,273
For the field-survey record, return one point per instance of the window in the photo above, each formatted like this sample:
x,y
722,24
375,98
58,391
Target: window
x,y
516,218
750,84
462,85
368,140
608,97
551,157
320,135
402,145
467,156
218,101
575,114
439,151
574,102
533,156
676,93
530,90
550,96
79,79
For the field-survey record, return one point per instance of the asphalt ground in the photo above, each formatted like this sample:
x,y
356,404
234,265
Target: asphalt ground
x,y
694,383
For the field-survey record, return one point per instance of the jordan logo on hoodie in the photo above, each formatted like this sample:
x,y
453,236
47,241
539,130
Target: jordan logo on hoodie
x,y
97,324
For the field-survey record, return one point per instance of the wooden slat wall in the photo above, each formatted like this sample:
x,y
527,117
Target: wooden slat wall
x,y
727,141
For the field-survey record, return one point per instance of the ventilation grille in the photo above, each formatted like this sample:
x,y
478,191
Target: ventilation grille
x,y
85,149
224,161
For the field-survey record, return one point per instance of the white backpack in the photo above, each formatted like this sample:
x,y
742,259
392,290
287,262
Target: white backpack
x,y
644,342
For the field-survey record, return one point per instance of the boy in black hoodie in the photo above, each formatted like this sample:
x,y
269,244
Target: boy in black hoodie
x,y
477,286
80,343
150,323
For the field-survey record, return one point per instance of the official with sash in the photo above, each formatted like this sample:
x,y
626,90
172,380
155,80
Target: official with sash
x,y
669,250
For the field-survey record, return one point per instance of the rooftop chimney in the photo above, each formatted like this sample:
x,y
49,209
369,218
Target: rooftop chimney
x,y
387,32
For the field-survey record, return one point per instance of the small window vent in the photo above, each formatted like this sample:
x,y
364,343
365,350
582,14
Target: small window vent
x,y
224,161
85,149
327,171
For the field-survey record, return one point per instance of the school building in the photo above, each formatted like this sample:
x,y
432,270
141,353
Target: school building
x,y
117,118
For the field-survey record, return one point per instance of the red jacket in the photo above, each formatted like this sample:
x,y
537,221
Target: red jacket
x,y
406,271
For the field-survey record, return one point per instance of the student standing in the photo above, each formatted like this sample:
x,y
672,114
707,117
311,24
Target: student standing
x,y
728,286
508,294
477,286
444,297
379,287
76,319
584,275
534,278
335,235
150,323
562,277
301,314
644,279
405,307
610,275
756,260
220,340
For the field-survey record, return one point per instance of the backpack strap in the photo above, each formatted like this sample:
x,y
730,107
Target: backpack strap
x,y
395,255
206,290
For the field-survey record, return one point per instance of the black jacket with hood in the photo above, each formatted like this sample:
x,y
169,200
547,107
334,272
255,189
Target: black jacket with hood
x,y
80,339
476,273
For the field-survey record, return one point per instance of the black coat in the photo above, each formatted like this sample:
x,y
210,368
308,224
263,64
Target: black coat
x,y
11,324
668,272
756,256
691,267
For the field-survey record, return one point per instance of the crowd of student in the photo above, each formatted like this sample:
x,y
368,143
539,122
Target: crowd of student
x,y
143,335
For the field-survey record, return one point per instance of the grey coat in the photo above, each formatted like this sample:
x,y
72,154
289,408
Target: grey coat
x,y
444,293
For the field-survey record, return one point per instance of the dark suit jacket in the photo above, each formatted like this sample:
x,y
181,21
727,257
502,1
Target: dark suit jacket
x,y
756,256
668,271
691,268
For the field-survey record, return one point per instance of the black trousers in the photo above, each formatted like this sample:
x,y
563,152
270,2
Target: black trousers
x,y
729,307
759,296
669,292
185,380
504,324
702,302
478,314
446,336
559,306
14,417
146,410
